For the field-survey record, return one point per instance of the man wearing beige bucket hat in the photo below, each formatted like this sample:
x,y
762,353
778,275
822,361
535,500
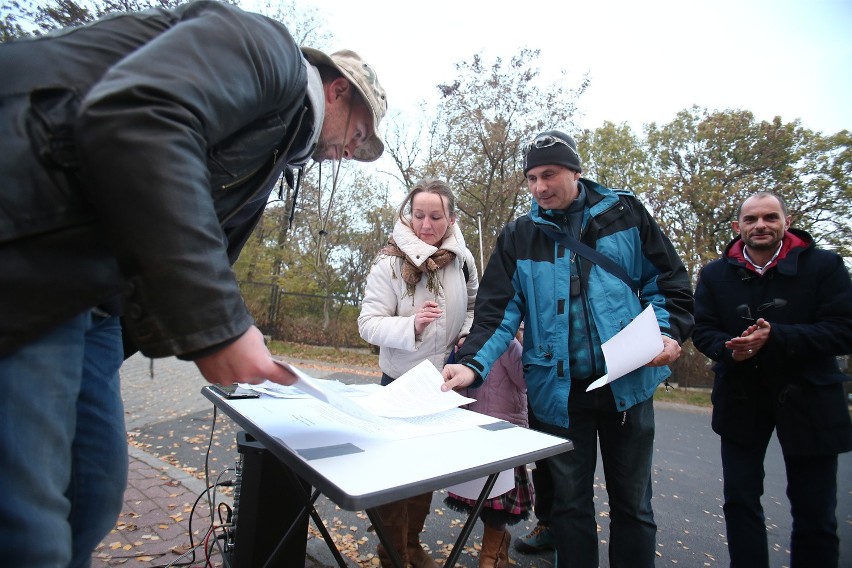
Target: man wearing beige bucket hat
x,y
137,154
356,72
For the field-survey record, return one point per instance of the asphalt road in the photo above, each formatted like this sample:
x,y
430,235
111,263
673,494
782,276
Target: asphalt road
x,y
168,418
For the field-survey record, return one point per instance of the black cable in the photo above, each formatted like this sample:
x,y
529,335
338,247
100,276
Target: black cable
x,y
212,498
193,547
227,520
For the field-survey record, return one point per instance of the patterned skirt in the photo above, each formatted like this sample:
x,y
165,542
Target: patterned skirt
x,y
510,508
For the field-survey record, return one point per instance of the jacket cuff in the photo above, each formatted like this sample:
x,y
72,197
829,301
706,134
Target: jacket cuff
x,y
195,355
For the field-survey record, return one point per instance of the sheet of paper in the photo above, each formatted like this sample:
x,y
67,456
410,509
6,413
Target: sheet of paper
x,y
416,402
311,423
634,346
416,393
471,489
277,390
314,388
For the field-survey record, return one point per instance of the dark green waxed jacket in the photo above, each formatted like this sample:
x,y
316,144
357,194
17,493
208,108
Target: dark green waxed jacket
x,y
137,155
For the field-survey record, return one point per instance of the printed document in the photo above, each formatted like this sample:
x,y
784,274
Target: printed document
x,y
634,346
416,393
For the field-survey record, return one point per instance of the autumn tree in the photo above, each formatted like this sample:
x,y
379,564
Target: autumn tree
x,y
706,163
482,119
614,156
23,18
320,264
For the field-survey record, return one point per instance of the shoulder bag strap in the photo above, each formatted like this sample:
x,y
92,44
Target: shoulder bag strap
x,y
589,254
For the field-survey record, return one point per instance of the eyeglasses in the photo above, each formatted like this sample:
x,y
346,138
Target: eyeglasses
x,y
548,140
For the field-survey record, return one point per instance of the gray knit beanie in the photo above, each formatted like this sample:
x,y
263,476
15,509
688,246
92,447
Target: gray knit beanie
x,y
552,147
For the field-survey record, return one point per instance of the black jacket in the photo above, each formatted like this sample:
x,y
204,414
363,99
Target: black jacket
x,y
137,155
793,383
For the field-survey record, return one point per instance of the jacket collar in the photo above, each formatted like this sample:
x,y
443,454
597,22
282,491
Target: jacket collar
x,y
314,101
794,242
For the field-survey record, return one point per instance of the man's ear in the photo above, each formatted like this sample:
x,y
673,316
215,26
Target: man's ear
x,y
736,226
337,89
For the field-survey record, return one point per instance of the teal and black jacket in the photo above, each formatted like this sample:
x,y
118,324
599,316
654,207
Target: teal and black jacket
x,y
528,279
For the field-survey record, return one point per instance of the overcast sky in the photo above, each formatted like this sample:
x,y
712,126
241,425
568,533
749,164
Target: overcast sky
x,y
646,60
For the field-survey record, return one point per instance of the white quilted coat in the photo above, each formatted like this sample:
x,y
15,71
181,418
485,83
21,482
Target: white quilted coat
x,y
387,311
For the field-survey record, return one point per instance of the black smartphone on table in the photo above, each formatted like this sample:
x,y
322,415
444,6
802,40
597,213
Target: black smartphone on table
x,y
234,391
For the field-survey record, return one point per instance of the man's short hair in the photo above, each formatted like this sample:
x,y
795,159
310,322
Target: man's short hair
x,y
762,194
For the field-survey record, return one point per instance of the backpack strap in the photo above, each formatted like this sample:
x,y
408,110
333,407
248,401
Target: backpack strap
x,y
590,254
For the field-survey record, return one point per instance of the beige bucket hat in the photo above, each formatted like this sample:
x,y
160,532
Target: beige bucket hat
x,y
364,77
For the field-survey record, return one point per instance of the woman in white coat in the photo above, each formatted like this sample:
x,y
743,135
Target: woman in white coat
x,y
417,304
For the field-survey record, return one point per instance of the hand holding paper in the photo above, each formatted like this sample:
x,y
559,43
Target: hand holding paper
x,y
313,387
416,393
634,346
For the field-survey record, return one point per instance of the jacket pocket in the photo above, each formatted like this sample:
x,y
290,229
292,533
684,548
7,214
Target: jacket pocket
x,y
813,419
245,153
39,164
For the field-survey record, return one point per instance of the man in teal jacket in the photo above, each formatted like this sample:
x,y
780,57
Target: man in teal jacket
x,y
571,306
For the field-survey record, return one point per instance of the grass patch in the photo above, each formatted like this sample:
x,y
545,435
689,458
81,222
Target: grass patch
x,y
355,357
694,397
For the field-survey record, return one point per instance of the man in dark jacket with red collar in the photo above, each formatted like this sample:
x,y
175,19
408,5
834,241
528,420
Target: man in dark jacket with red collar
x,y
137,153
774,313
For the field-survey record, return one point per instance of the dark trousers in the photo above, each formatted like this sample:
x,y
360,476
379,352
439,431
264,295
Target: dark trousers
x,y
627,442
812,491
542,480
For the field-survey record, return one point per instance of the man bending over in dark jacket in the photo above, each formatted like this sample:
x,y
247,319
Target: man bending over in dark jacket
x,y
136,156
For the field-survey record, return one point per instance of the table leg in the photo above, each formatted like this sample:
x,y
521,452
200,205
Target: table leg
x,y
379,527
471,521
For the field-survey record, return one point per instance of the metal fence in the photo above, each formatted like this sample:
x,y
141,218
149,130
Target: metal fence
x,y
303,318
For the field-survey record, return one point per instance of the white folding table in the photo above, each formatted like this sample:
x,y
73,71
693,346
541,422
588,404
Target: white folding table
x,y
359,470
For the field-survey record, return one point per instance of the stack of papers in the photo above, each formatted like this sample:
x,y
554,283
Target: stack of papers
x,y
416,393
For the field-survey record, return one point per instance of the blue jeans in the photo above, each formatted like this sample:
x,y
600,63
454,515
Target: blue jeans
x,y
63,450
812,491
627,445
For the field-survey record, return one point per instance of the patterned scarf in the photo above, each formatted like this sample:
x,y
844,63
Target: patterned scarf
x,y
411,273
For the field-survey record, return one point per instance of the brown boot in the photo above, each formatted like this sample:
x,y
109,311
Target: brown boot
x,y
495,548
394,518
418,509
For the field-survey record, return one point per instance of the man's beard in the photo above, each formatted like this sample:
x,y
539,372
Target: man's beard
x,y
321,152
764,245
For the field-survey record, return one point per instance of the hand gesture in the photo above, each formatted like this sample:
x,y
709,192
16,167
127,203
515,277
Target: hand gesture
x,y
247,360
669,354
457,377
428,313
750,341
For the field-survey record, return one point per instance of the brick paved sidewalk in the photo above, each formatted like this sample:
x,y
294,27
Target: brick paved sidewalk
x,y
153,528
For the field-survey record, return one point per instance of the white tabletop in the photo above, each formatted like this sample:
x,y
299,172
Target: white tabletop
x,y
359,468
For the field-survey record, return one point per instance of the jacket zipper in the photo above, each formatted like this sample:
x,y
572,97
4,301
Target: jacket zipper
x,y
262,185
